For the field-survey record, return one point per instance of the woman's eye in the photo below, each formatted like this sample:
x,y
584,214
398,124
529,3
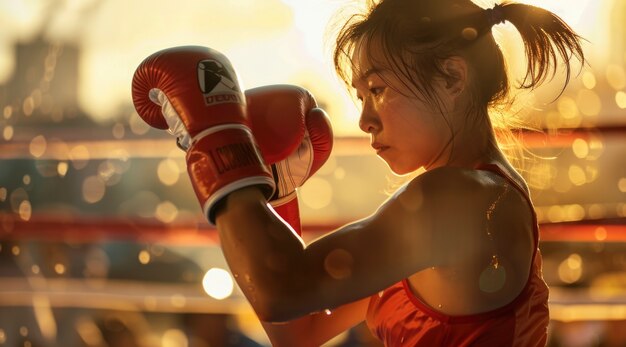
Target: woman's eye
x,y
376,90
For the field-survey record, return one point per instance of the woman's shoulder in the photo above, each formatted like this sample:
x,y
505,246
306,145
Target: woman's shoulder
x,y
456,182
463,191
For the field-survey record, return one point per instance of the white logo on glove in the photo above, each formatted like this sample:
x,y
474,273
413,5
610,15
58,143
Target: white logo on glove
x,y
217,83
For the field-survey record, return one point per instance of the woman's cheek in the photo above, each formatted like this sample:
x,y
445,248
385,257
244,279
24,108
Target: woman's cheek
x,y
389,102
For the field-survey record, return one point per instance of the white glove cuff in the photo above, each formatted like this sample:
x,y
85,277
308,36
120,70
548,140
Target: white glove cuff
x,y
172,118
284,200
294,170
221,193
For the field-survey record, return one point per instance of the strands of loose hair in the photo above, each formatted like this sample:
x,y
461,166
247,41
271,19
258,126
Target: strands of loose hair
x,y
430,32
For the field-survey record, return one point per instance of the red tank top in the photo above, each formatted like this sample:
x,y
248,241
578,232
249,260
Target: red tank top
x,y
399,318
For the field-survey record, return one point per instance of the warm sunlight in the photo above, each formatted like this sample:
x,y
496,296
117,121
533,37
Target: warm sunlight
x,y
289,43
104,236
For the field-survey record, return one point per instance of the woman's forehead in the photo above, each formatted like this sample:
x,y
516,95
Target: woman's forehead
x,y
367,58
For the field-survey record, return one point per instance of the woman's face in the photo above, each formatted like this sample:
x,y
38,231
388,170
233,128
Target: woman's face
x,y
406,132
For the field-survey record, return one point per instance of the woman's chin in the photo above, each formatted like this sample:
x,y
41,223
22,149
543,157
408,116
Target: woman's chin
x,y
401,170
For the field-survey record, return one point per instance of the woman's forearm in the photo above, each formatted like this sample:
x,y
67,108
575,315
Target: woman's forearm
x,y
261,252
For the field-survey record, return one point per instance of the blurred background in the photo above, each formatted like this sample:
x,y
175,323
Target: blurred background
x,y
102,242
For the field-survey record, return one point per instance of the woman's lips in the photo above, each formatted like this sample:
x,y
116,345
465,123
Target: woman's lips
x,y
379,147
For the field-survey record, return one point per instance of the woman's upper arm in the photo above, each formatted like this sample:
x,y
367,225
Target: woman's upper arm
x,y
412,231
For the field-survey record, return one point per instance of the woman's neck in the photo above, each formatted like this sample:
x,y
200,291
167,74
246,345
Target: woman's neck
x,y
472,143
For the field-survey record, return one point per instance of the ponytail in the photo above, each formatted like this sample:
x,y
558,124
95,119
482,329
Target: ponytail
x,y
545,37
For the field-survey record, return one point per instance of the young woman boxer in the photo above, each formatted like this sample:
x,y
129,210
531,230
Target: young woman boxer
x,y
451,259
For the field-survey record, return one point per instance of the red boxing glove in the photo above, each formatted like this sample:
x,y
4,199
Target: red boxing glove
x,y
295,137
194,92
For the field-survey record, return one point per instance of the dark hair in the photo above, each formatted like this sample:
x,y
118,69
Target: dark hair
x,y
431,31
434,30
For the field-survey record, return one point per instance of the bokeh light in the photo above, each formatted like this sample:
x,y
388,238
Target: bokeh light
x,y
7,133
7,112
166,212
574,212
620,99
616,76
168,172
59,268
577,175
62,167
137,125
118,131
596,211
25,210
570,269
556,214
589,103
178,300
580,148
174,338
38,146
600,234
218,283
317,193
569,114
621,184
589,79
144,257
93,189
110,172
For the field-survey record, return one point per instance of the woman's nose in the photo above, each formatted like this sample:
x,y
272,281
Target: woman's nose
x,y
368,122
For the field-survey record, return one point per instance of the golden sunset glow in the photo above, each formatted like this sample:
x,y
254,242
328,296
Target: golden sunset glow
x,y
289,43
99,217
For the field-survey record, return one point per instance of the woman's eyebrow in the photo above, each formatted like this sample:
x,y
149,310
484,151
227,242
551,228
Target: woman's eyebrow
x,y
366,74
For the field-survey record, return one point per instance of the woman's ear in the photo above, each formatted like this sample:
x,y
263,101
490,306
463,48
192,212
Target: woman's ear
x,y
455,69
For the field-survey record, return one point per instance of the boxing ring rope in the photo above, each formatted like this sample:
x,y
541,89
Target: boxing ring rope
x,y
566,304
116,295
93,229
356,145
